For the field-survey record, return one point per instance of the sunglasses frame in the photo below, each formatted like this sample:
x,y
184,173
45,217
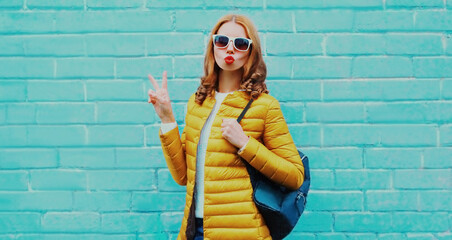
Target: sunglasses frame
x,y
233,42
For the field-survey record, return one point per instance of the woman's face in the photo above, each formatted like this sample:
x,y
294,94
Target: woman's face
x,y
231,29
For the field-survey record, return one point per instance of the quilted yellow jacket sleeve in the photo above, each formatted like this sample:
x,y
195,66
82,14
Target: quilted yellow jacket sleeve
x,y
277,156
173,146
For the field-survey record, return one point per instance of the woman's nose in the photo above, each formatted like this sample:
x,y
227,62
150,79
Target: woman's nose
x,y
230,47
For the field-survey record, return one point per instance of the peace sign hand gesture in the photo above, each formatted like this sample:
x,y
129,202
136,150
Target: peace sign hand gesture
x,y
160,99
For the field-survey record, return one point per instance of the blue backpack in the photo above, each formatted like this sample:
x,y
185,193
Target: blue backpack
x,y
280,207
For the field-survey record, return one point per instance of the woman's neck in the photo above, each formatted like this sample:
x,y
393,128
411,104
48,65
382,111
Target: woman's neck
x,y
229,81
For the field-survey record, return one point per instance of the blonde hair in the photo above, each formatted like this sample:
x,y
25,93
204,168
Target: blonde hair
x,y
254,70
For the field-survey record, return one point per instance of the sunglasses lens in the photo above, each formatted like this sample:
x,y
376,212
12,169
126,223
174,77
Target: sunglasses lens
x,y
221,41
241,43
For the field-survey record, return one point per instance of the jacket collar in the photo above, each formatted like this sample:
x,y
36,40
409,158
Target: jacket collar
x,y
237,98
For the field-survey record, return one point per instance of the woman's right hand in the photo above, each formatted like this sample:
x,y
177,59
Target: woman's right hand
x,y
160,99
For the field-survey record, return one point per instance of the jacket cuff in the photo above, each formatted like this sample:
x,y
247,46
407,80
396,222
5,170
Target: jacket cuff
x,y
241,149
166,127
250,149
169,136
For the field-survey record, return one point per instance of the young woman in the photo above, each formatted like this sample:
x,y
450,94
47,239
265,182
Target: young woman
x,y
208,157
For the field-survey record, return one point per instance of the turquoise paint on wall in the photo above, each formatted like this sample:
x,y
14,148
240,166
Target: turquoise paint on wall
x,y
365,86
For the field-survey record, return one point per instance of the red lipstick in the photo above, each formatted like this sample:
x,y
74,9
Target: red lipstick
x,y
229,59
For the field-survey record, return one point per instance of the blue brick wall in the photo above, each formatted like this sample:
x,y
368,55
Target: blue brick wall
x,y
366,87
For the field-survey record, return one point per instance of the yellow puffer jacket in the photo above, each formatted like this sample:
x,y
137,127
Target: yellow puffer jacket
x,y
229,210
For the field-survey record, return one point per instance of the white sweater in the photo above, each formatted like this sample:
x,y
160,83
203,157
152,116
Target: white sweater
x,y
201,154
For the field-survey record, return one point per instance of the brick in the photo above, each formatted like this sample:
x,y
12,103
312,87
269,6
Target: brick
x,y
173,4
410,112
85,68
101,201
432,20
435,201
60,113
362,179
111,21
446,91
133,4
323,4
191,43
158,201
140,157
11,45
420,222
23,68
324,179
330,201
368,90
333,158
234,4
392,201
115,135
422,179
314,221
364,66
324,20
55,91
76,236
306,135
58,180
71,222
437,158
42,4
126,180
432,66
279,67
115,45
13,136
87,158
363,222
417,3
13,91
396,158
14,4
28,158
389,20
115,90
138,113
68,46
293,112
354,44
36,201
331,236
166,182
171,221
322,67
195,20
16,22
131,222
306,44
17,113
294,90
445,133
3,110
188,66
384,135
334,112
13,180
413,44
40,135
19,222
141,67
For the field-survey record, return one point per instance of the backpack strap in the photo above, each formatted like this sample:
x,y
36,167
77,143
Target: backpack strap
x,y
244,110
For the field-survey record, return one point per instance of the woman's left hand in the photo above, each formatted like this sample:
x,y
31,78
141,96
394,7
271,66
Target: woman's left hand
x,y
233,132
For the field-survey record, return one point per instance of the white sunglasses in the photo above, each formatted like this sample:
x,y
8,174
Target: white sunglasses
x,y
240,43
